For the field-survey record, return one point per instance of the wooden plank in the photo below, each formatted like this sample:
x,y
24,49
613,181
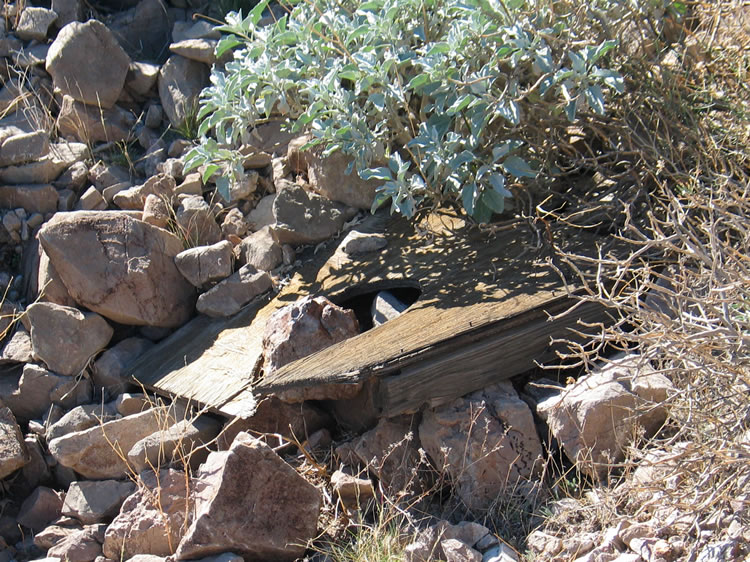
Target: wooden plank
x,y
506,354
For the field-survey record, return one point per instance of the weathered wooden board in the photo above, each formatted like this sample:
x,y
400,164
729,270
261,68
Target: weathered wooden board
x,y
473,287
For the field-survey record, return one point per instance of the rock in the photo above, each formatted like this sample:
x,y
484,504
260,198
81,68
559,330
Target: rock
x,y
304,327
66,338
108,371
542,545
595,417
201,29
51,287
91,124
156,211
90,452
261,250
48,168
327,175
353,491
191,185
96,502
34,23
262,215
196,221
486,443
303,218
122,268
33,198
205,265
141,77
87,64
103,175
201,50
23,147
280,507
8,310
182,442
389,451
40,508
234,223
229,296
456,551
79,419
67,11
296,158
38,388
501,553
91,200
154,116
82,546
18,348
128,404
242,189
134,198
386,307
143,31
180,82
361,243
254,159
52,535
151,520
13,453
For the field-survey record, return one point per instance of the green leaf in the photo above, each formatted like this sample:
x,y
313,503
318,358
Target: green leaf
x,y
418,81
493,200
222,186
498,184
469,197
595,98
210,170
378,100
518,167
376,174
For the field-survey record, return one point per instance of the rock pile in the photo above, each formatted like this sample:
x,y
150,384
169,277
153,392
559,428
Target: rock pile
x,y
107,259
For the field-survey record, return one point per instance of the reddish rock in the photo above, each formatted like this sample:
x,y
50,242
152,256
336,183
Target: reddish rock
x,y
302,328
119,267
82,546
250,502
40,508
13,453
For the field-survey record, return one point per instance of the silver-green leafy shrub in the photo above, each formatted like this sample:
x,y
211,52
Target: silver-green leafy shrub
x,y
433,98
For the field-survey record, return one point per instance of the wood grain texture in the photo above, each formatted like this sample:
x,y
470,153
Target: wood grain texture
x,y
473,285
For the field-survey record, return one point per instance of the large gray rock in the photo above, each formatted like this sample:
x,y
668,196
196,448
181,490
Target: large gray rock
x,y
86,63
50,286
90,124
34,23
119,267
48,167
327,175
180,82
304,327
151,521
24,147
134,198
261,250
13,453
96,501
486,443
38,389
67,11
99,453
205,265
40,508
83,545
79,419
595,417
249,501
229,296
307,218
18,348
66,338
32,198
143,31
108,371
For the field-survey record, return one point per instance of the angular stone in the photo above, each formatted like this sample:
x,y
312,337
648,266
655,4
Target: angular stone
x,y
594,418
303,218
141,77
34,23
229,296
13,453
103,175
156,211
261,250
47,168
242,189
122,268
262,214
205,265
22,148
327,175
180,82
304,327
90,452
18,348
91,200
182,442
67,11
66,338
96,501
160,185
37,389
52,535
353,491
485,443
79,419
143,31
87,64
385,307
51,287
456,551
40,508
90,124
201,50
361,243
34,198
151,520
196,221
234,223
84,545
201,29
191,185
128,404
280,507
108,371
